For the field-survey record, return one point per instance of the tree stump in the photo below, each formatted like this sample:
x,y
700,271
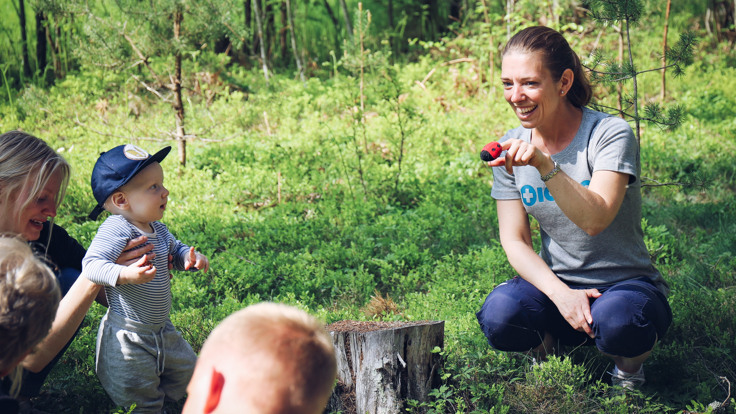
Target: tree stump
x,y
380,365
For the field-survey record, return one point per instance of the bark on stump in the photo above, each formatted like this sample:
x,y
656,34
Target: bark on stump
x,y
380,365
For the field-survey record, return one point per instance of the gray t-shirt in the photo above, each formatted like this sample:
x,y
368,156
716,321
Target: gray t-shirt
x,y
618,253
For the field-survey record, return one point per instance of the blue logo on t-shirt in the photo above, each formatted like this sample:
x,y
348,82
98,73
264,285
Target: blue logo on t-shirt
x,y
530,195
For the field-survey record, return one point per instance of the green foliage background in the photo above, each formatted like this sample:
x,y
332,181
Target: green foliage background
x,y
295,199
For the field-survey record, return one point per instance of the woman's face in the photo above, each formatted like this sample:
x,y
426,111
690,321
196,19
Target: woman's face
x,y
28,221
529,88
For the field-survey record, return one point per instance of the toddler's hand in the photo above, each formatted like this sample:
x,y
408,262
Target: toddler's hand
x,y
196,260
141,271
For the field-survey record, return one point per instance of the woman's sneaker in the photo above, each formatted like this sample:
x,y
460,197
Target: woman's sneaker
x,y
626,380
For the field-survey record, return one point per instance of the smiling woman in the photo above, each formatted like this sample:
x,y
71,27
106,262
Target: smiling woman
x,y
33,181
576,171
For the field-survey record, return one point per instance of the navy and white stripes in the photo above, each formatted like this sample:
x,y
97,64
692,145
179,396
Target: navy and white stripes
x,y
149,302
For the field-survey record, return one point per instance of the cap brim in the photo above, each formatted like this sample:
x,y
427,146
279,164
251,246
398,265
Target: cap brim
x,y
157,157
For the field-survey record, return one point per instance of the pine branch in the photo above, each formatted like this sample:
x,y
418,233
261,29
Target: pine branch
x,y
142,58
151,89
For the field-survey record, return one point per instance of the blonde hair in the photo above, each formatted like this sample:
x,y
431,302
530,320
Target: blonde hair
x,y
29,297
28,162
298,344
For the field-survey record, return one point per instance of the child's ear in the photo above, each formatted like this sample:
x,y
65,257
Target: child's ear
x,y
217,383
119,200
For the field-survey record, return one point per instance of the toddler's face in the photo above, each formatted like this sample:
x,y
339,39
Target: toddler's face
x,y
146,196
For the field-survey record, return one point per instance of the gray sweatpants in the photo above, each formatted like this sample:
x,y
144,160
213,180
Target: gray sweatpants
x,y
141,363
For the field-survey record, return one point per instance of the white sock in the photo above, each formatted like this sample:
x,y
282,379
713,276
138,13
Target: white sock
x,y
618,372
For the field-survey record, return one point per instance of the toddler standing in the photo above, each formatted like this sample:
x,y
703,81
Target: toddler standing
x,y
140,357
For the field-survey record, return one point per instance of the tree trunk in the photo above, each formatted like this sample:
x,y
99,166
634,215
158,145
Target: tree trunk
x,y
619,85
637,120
248,45
381,365
491,55
663,92
509,12
707,20
178,105
24,38
346,16
336,23
57,53
391,37
53,43
293,41
269,27
285,28
433,25
264,62
716,21
41,45
332,16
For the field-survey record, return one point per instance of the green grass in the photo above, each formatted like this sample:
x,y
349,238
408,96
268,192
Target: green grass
x,y
344,229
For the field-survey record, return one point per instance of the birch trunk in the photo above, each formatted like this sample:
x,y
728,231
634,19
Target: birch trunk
x,y
293,41
259,25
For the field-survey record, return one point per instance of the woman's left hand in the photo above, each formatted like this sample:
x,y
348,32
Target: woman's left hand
x,y
574,306
134,249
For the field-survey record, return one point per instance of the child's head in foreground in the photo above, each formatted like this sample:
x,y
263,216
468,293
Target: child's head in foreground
x,y
29,296
130,182
267,358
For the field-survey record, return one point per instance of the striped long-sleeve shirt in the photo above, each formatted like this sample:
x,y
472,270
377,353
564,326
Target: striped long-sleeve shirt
x,y
148,302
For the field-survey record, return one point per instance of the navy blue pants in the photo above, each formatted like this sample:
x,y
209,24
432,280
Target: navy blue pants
x,y
627,318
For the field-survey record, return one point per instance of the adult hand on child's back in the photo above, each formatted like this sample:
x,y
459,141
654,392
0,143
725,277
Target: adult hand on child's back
x,y
134,249
196,260
142,271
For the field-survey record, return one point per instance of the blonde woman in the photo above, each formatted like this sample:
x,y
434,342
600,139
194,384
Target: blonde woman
x,y
33,181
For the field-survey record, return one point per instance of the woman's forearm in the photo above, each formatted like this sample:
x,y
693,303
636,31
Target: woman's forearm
x,y
70,314
591,208
532,268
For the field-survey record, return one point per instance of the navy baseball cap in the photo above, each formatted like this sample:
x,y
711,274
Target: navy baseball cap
x,y
116,167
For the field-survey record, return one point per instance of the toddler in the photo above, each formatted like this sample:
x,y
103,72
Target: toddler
x,y
140,357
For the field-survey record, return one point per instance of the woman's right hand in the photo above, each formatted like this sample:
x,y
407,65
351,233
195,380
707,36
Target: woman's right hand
x,y
574,305
134,250
520,153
